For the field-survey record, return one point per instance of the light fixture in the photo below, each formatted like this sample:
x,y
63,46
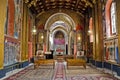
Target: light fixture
x,y
42,37
34,31
6,40
89,32
79,38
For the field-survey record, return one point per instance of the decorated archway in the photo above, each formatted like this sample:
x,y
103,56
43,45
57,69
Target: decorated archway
x,y
59,22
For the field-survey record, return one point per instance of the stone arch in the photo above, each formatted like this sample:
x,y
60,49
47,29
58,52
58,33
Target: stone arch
x,y
56,17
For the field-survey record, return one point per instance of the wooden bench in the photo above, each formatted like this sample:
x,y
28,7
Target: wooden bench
x,y
39,62
76,62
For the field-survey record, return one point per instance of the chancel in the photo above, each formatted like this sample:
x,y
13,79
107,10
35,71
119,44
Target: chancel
x,y
59,40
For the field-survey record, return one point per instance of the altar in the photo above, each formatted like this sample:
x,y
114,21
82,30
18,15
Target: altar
x,y
60,51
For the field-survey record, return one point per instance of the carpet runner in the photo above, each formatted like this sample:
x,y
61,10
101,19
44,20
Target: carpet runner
x,y
59,73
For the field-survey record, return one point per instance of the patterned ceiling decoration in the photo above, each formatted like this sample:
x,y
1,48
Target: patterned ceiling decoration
x,y
38,6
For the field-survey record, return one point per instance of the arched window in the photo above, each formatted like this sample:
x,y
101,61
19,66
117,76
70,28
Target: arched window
x,y
110,15
113,17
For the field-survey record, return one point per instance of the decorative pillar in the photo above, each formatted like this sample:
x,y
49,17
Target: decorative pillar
x,y
98,33
3,8
118,24
69,44
24,35
45,41
94,32
75,43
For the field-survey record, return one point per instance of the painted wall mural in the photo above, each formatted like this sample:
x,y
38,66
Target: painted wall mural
x,y
11,55
11,17
111,50
110,31
12,31
18,17
14,18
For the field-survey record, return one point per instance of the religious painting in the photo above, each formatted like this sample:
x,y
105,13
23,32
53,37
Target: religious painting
x,y
116,51
111,50
59,38
18,17
13,18
12,30
11,53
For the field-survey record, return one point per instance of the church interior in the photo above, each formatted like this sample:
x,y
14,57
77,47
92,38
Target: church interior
x,y
59,40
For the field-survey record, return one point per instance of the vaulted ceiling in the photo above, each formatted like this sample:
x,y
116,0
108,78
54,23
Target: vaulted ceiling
x,y
38,6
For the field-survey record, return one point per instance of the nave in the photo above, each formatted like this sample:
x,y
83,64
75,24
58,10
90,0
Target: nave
x,y
60,71
51,28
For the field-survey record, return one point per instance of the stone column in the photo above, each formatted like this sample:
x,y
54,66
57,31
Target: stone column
x,y
24,35
47,39
75,43
94,33
98,32
3,8
69,44
118,23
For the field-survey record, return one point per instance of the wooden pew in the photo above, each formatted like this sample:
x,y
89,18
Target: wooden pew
x,y
76,62
39,62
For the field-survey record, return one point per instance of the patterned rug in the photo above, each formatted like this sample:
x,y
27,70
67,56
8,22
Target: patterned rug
x,y
79,73
91,77
42,73
60,73
81,70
